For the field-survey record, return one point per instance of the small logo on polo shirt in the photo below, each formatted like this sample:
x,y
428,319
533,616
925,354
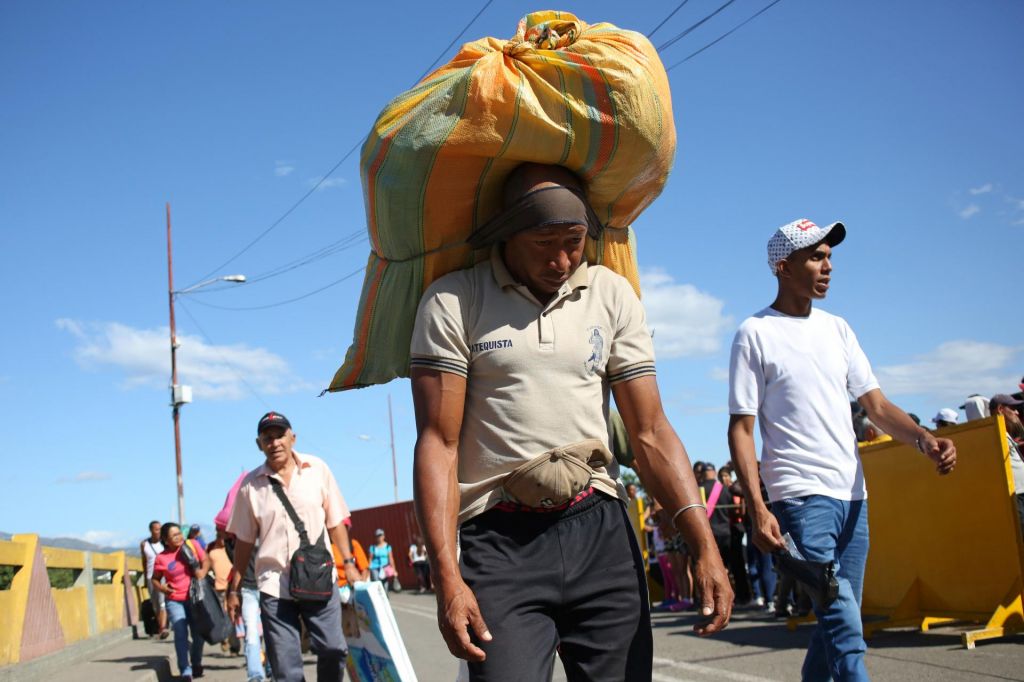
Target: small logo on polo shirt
x,y
596,359
490,345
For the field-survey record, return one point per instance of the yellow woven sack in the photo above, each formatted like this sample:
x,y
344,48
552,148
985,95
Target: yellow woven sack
x,y
592,98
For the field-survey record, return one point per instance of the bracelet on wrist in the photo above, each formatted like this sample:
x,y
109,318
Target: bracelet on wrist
x,y
685,508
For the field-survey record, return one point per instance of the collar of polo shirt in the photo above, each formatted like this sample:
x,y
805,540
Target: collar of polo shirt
x,y
505,279
299,464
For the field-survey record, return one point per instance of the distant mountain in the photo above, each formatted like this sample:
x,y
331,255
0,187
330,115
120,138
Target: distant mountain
x,y
73,543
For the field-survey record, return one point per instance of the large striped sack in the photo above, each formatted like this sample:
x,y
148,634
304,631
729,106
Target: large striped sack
x,y
592,98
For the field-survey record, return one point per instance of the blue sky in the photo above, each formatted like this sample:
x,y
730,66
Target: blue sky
x,y
901,119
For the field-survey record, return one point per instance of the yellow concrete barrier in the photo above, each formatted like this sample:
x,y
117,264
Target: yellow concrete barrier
x,y
945,548
37,619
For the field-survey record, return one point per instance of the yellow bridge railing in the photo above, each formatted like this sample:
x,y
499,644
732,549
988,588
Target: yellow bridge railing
x,y
37,618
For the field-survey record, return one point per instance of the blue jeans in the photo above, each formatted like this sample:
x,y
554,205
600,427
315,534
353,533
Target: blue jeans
x,y
180,615
251,621
762,575
826,529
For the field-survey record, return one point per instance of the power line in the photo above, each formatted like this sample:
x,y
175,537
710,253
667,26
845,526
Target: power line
x,y
685,32
726,34
223,359
454,40
290,300
343,244
285,214
670,15
335,167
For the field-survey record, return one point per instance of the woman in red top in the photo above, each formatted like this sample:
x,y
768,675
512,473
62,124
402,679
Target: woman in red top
x,y
172,575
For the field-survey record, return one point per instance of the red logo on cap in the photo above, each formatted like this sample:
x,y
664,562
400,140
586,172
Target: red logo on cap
x,y
805,225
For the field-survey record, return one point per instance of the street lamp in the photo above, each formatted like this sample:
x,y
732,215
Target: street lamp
x,y
182,394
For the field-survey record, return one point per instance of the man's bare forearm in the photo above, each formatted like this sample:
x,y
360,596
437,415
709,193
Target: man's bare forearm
x,y
436,498
665,467
339,538
890,418
243,553
744,458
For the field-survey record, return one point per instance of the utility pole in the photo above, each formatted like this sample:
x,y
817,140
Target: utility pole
x,y
175,404
394,462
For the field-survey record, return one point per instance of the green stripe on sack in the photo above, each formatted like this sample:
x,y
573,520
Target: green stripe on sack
x,y
390,332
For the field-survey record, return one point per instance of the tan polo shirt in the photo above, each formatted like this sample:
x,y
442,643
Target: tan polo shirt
x,y
538,376
259,515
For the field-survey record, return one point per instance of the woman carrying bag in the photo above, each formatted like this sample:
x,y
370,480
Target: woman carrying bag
x,y
172,575
382,561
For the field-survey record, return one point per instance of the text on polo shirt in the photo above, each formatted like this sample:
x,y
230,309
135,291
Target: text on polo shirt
x,y
490,345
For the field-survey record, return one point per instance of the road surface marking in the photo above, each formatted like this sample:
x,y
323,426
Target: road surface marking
x,y
716,673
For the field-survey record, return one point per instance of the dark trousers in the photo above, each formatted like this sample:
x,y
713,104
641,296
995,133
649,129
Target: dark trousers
x,y
572,579
282,635
422,569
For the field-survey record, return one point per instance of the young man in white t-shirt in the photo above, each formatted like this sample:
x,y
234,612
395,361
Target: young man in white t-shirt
x,y
793,367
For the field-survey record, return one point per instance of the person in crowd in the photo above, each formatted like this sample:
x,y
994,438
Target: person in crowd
x,y
382,559
666,553
1009,408
148,550
947,416
793,369
868,432
759,564
637,512
975,407
710,475
195,534
914,418
172,575
220,564
512,362
418,560
721,511
259,516
362,563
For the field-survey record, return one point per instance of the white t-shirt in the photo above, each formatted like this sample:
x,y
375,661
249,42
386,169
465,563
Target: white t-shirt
x,y
151,549
796,375
1016,465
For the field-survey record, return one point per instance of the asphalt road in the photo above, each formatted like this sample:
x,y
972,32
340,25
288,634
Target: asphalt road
x,y
754,648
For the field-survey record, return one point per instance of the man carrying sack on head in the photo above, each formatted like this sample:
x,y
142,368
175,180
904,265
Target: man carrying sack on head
x,y
512,362
292,505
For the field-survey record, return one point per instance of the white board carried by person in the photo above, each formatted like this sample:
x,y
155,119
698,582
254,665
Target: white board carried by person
x,y
376,651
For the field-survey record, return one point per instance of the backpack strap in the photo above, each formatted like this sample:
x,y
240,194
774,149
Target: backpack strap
x,y
292,514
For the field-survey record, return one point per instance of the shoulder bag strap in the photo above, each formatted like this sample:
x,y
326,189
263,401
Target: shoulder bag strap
x,y
292,514
716,492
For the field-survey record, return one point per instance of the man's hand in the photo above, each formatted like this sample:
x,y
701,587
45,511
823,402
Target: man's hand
x,y
351,574
767,536
457,612
939,450
233,604
713,593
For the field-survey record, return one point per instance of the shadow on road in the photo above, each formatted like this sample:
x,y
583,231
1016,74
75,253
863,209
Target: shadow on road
x,y
138,662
